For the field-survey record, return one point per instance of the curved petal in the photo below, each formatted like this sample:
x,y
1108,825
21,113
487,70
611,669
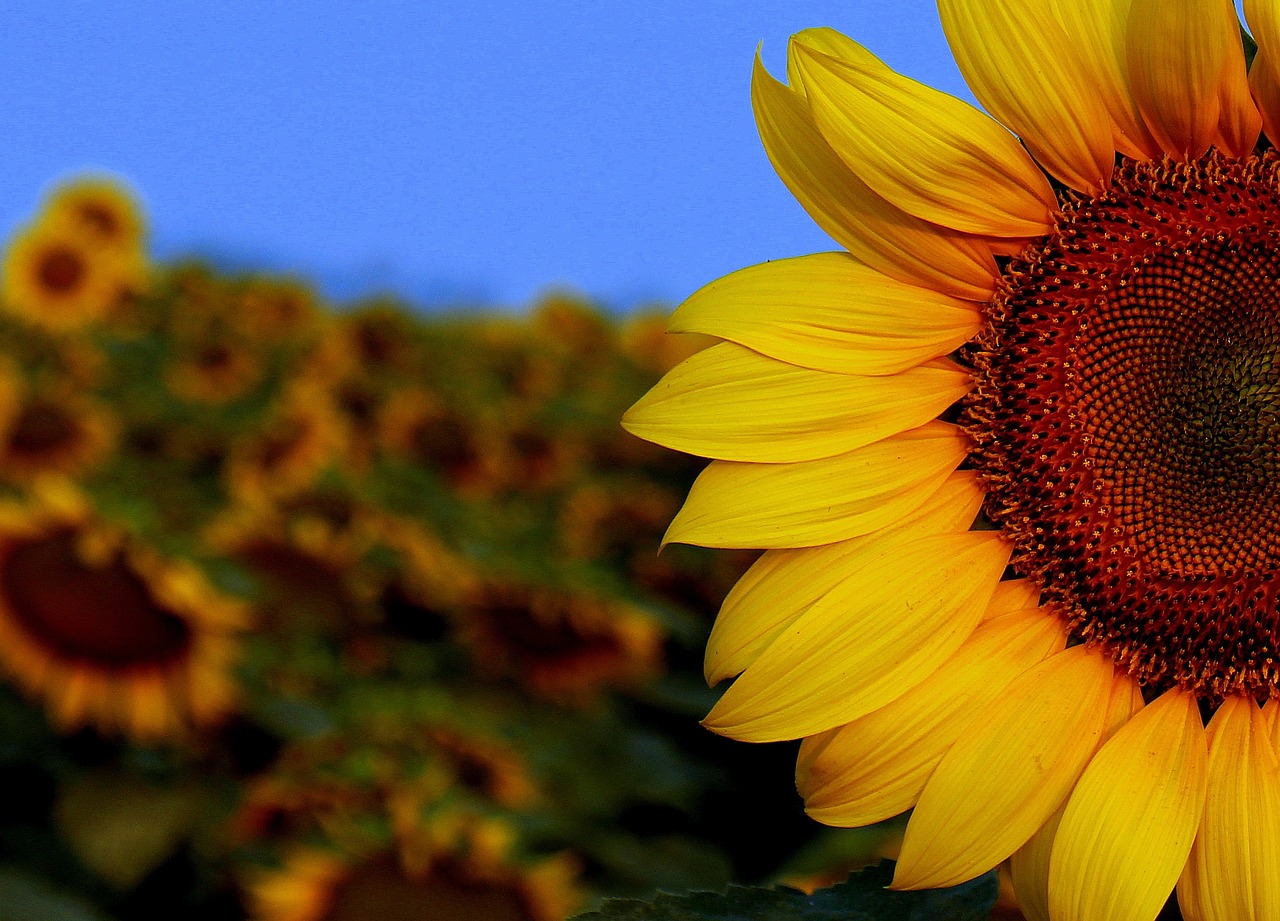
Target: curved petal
x,y
1128,827
875,231
828,41
1015,56
1183,59
965,171
830,312
804,504
869,640
876,766
1096,29
1029,866
1264,83
782,584
1005,777
734,404
1233,873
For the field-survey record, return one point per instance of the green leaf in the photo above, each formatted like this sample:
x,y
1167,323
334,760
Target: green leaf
x,y
24,898
862,898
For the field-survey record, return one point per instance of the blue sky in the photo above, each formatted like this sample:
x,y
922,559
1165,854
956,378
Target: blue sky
x,y
455,154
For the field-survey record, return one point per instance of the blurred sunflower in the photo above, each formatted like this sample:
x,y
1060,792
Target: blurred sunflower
x,y
214,366
646,342
563,645
1112,414
105,630
415,425
60,279
297,439
275,310
473,876
103,210
54,430
485,766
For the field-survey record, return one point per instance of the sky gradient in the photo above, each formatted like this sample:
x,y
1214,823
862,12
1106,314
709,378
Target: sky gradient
x,y
454,155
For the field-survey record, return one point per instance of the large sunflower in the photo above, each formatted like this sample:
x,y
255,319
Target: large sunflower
x,y
980,566
104,629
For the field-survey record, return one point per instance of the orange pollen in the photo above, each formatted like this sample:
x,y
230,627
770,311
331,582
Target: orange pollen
x,y
1126,420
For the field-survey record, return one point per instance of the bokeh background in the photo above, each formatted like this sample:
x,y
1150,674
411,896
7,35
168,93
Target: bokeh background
x,y
329,584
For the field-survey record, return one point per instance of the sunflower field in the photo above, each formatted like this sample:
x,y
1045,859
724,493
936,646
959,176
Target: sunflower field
x,y
314,613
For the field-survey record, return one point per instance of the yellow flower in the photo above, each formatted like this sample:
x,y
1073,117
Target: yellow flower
x,y
106,631
978,567
57,278
53,430
102,209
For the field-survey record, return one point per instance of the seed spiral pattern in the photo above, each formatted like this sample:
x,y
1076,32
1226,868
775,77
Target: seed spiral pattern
x,y
1126,419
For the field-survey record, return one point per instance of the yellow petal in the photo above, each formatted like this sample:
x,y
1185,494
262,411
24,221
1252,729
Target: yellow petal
x,y
1029,866
1264,83
1233,873
1129,824
1239,122
964,170
1015,56
1013,595
1096,29
1182,59
815,502
876,766
1007,774
830,312
828,41
875,231
783,583
866,642
732,403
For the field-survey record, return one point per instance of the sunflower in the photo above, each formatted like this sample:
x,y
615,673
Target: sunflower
x,y
57,278
54,431
416,425
299,437
104,629
474,878
562,645
275,310
1013,454
214,367
102,209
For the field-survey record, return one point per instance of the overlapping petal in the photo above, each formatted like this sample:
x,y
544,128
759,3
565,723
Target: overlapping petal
x,y
782,584
1015,56
965,170
866,642
1233,873
804,504
1187,75
733,403
876,766
830,312
874,230
1128,827
1014,766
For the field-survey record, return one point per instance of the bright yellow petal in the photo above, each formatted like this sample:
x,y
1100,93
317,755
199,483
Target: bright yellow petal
x,y
782,584
876,766
875,231
1015,56
868,641
732,403
964,171
1233,873
1096,29
1182,59
1029,866
1003,778
1129,824
1264,83
830,312
815,502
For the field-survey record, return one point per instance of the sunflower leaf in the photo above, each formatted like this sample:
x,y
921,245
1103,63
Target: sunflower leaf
x,y
862,898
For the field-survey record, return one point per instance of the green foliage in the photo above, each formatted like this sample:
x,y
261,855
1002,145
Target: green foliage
x,y
862,898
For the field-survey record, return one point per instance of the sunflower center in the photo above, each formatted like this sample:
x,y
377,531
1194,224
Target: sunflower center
x,y
103,615
1126,418
41,428
60,269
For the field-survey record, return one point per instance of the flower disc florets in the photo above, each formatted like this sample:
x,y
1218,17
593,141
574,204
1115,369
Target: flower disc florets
x,y
1126,417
